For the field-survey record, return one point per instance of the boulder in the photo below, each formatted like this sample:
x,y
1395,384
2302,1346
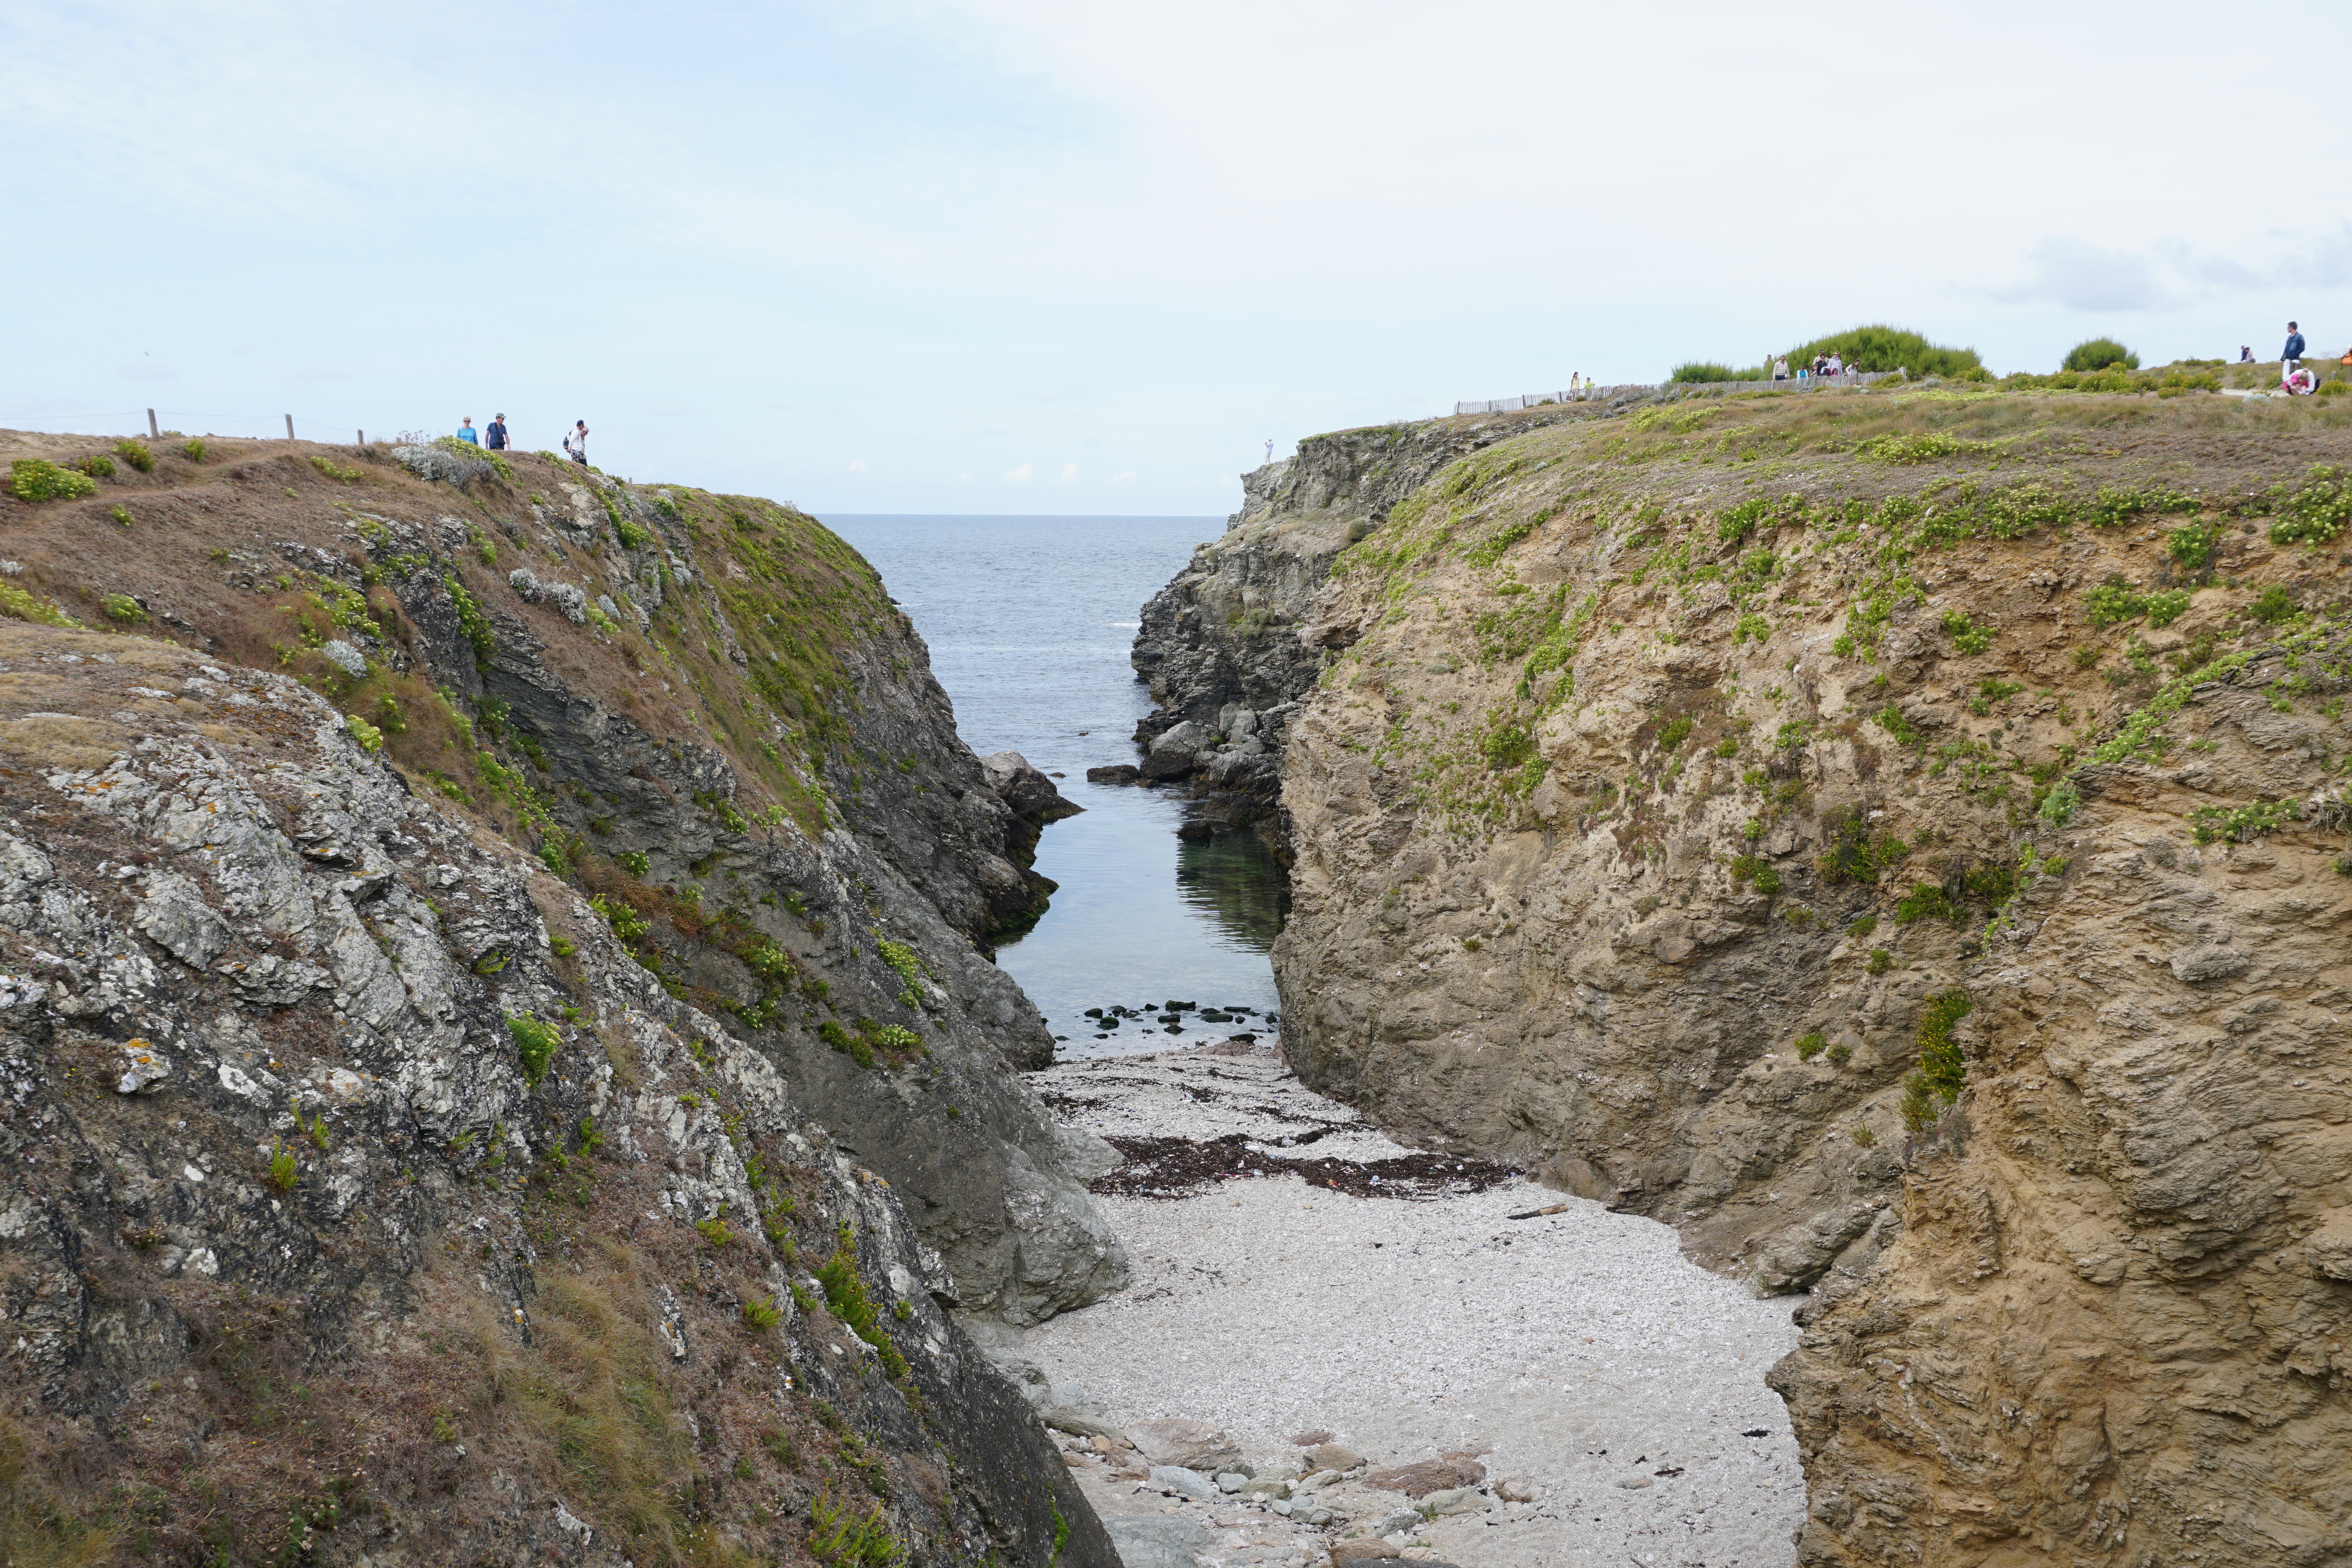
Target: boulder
x,y
1020,786
1156,1541
1167,764
1428,1475
1117,773
1455,1500
1331,1456
1186,738
1185,1481
1194,1445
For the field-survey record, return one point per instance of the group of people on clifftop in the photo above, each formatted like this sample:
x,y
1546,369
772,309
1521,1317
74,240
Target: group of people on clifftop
x,y
575,440
1824,367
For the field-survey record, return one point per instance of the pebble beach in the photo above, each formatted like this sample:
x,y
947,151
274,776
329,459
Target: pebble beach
x,y
1606,1395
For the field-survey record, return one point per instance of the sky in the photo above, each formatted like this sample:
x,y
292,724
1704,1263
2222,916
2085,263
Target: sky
x,y
1070,257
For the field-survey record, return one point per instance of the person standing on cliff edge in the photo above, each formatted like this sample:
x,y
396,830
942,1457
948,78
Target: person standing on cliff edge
x,y
576,444
2292,355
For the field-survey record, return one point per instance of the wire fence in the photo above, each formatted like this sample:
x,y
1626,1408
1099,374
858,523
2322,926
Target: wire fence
x,y
1624,389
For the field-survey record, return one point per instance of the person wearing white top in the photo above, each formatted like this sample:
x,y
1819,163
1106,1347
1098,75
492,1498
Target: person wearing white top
x,y
1837,366
1780,370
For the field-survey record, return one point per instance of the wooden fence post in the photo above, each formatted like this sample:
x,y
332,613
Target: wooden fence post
x,y
290,427
153,434
363,438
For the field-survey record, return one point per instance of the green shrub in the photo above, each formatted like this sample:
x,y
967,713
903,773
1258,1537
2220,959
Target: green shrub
x,y
1811,1046
634,861
852,1046
1884,348
194,451
1853,856
2099,354
32,479
135,453
1966,634
1927,901
1709,370
1879,961
1676,731
95,466
2058,807
21,605
472,622
371,738
1891,720
2193,543
122,518
535,1044
122,609
1863,926
763,1315
1942,1068
845,1297
2273,605
2314,513
1841,1053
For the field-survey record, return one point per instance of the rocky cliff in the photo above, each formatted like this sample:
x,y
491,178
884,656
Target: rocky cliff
x,y
500,1057
1898,839
1232,642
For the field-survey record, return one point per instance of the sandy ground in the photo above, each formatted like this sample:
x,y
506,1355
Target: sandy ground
x,y
1578,1351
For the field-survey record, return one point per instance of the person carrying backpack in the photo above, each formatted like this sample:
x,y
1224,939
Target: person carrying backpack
x,y
2291,354
576,444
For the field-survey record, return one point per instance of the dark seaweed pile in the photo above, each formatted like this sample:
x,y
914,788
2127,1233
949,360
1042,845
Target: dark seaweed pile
x,y
1179,1167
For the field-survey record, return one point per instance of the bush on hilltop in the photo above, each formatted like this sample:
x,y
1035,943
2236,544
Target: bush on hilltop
x,y
2099,354
1883,348
1709,370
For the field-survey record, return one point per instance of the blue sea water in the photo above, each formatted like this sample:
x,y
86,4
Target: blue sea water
x,y
1029,622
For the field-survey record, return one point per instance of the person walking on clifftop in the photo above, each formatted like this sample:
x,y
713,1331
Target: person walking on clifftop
x,y
466,431
2292,355
576,444
497,433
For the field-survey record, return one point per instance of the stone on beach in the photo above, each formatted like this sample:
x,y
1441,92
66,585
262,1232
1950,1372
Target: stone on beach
x,y
1193,1445
1185,1481
1428,1475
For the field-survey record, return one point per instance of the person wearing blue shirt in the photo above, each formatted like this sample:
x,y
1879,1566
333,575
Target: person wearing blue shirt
x,y
466,431
497,433
2293,352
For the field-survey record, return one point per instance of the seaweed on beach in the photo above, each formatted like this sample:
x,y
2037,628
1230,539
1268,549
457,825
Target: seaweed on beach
x,y
1180,1167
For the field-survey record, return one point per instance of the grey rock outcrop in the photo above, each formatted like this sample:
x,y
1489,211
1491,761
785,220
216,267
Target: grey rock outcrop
x,y
1241,633
456,1127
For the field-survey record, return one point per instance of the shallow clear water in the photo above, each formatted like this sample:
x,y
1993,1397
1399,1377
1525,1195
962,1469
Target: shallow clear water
x,y
1029,622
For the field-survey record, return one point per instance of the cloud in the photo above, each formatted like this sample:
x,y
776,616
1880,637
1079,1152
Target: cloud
x,y
2081,276
1124,478
857,466
1018,475
1069,473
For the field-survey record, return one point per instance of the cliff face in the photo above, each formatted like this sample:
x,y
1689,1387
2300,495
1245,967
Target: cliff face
x,y
1232,642
1897,840
499,1057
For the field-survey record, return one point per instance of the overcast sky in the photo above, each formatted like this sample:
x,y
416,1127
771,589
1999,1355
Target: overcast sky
x,y
1064,255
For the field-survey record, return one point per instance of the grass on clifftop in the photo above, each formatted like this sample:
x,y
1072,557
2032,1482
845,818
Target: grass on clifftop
x,y
1782,513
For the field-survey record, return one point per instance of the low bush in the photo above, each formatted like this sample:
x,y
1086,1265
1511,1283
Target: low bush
x,y
535,1044
121,608
97,465
1709,370
136,454
2099,354
36,479
194,451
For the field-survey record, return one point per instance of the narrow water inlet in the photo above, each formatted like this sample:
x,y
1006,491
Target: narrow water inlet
x,y
1029,621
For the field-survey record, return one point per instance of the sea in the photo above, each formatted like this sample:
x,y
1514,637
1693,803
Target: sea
x,y
1030,621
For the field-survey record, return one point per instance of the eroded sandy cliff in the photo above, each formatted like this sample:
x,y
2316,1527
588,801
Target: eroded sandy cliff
x,y
1898,839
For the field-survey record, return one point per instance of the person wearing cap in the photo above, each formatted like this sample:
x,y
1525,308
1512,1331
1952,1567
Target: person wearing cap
x,y
497,433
